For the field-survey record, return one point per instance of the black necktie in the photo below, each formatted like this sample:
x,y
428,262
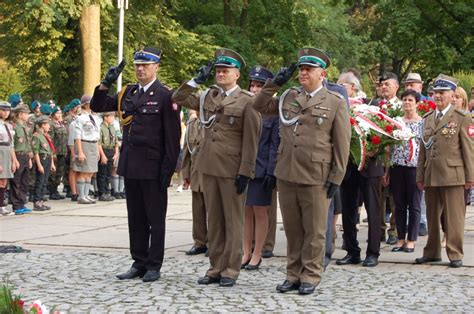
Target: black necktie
x,y
439,115
141,92
92,120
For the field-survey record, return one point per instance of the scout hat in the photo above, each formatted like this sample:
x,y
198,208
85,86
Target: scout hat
x,y
388,76
147,55
35,104
15,99
228,58
85,99
41,119
46,109
445,82
413,78
313,57
21,108
5,105
260,74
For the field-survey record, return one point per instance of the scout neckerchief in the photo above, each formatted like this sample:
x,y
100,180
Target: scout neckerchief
x,y
51,145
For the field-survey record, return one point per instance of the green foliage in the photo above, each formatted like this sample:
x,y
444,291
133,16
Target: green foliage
x,y
10,81
466,80
9,303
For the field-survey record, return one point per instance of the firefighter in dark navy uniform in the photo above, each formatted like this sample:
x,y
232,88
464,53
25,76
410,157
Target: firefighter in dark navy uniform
x,y
148,156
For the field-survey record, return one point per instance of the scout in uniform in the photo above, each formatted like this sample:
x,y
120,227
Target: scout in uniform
x,y
8,162
445,169
150,149
108,151
193,178
43,150
36,112
73,111
311,162
58,134
226,160
23,152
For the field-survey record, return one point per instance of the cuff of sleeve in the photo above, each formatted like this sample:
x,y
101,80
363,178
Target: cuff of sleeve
x,y
192,83
336,176
247,169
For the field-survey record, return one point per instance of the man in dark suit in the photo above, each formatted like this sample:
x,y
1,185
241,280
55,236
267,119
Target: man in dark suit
x,y
150,149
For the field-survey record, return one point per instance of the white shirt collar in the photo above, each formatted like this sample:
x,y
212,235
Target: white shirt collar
x,y
147,86
314,92
230,91
444,111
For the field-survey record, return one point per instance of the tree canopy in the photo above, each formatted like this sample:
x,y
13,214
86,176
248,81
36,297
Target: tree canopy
x,y
41,50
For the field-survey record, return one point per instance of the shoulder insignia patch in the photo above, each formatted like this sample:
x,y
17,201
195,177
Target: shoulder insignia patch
x,y
461,112
246,92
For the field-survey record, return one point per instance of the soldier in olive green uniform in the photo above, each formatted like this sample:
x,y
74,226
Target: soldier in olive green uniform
x,y
445,169
58,134
311,162
226,160
43,151
23,152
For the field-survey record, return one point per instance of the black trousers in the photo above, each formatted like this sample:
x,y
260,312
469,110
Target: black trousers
x,y
41,179
406,196
104,172
19,182
371,190
146,207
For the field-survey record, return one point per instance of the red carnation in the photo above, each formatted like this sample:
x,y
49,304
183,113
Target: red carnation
x,y
380,116
431,104
383,111
376,140
389,128
352,120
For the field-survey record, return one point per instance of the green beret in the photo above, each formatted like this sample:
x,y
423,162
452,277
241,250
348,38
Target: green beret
x,y
35,104
75,102
15,99
46,109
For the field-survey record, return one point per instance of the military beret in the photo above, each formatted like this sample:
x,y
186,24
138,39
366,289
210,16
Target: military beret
x,y
15,99
46,109
21,108
445,82
55,109
228,58
5,105
313,57
260,74
388,76
41,119
35,104
74,103
147,55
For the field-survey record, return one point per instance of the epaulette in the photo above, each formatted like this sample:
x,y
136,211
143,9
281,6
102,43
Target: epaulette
x,y
167,87
427,114
335,94
461,112
246,92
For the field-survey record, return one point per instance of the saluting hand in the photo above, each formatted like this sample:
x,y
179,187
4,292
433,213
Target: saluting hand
x,y
112,74
204,72
284,74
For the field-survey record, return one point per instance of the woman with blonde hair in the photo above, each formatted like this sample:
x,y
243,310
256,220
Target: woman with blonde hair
x,y
460,100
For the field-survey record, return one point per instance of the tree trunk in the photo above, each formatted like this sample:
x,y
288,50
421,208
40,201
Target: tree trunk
x,y
227,13
90,47
244,14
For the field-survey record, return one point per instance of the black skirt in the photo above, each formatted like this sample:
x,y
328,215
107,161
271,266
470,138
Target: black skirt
x,y
257,195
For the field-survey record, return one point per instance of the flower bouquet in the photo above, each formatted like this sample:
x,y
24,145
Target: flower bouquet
x,y
391,109
425,106
373,132
11,303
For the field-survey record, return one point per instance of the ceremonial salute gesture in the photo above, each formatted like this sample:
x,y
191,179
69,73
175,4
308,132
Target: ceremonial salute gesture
x,y
150,148
445,169
311,162
226,158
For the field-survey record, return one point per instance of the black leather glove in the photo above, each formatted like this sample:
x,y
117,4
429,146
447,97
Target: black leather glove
x,y
241,183
269,182
165,180
204,72
332,189
112,74
284,74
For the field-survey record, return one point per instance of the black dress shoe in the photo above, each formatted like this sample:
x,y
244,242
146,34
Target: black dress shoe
x,y
267,254
306,288
151,275
392,240
424,259
55,196
348,259
207,253
206,280
409,249
399,249
455,263
226,282
371,261
132,273
196,250
287,286
253,267
243,265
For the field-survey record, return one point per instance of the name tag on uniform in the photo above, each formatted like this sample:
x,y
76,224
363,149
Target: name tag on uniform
x,y
151,103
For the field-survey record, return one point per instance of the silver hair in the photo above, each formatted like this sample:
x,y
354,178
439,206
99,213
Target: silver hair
x,y
350,78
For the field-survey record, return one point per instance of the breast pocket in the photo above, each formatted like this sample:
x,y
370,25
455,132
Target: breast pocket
x,y
233,117
320,118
